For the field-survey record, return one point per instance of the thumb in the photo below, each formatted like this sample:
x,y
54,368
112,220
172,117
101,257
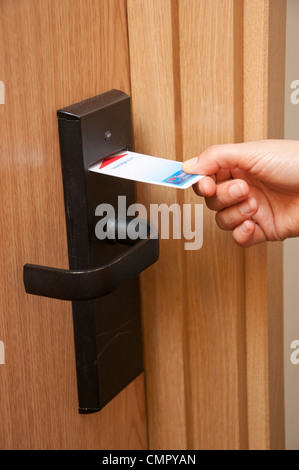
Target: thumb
x,y
216,157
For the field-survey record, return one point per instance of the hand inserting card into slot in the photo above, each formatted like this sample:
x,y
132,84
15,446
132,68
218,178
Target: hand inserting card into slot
x,y
145,169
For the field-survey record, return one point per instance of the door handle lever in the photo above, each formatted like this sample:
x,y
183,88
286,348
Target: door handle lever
x,y
93,283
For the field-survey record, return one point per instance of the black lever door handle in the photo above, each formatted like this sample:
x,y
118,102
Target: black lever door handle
x,y
88,284
107,328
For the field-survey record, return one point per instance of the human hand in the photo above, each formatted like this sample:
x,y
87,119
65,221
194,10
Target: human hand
x,y
253,187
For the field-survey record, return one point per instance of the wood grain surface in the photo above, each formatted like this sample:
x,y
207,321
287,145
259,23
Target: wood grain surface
x,y
193,301
53,53
264,69
201,73
157,132
206,313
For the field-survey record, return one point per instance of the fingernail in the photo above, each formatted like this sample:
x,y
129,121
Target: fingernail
x,y
189,163
237,190
245,207
245,227
201,187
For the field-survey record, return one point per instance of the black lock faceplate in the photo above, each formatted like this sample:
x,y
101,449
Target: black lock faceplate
x,y
108,330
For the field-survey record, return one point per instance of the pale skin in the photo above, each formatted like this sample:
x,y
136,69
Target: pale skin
x,y
253,187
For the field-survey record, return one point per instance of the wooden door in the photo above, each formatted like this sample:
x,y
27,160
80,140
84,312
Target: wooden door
x,y
213,317
199,73
53,53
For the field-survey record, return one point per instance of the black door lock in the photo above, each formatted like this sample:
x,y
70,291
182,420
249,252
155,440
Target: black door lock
x,y
102,281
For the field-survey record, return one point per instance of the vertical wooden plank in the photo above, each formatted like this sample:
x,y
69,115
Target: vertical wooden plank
x,y
211,93
264,53
227,315
53,53
153,66
187,94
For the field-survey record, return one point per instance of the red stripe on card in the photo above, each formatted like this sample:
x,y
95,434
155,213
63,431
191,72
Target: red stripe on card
x,y
110,160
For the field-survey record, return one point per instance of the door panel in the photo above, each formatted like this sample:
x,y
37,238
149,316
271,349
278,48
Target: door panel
x,y
199,319
53,53
211,315
264,74
157,132
200,73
